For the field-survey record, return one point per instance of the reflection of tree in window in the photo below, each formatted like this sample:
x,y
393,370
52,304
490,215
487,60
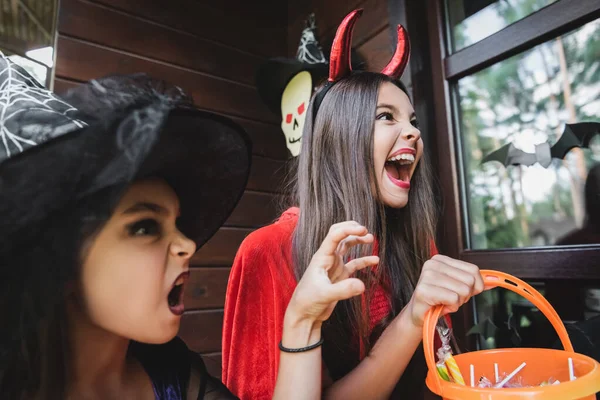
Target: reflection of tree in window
x,y
526,100
27,34
473,21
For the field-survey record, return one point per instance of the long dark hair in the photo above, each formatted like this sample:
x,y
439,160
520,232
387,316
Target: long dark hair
x,y
35,364
334,183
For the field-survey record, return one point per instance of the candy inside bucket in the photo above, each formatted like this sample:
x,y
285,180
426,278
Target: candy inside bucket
x,y
537,370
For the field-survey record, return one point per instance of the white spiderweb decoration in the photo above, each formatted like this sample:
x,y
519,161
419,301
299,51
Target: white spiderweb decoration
x,y
309,50
29,113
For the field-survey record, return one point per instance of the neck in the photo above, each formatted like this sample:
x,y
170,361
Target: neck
x,y
98,359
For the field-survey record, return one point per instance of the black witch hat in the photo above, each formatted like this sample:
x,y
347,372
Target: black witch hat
x,y
57,153
110,132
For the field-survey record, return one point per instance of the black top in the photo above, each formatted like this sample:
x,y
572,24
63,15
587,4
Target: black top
x,y
169,366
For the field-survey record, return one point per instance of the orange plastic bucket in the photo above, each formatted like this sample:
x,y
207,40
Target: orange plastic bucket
x,y
542,364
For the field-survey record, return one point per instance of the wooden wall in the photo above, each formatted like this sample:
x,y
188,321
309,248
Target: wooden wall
x,y
212,51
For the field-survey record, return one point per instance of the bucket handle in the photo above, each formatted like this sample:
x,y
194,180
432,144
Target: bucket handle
x,y
493,279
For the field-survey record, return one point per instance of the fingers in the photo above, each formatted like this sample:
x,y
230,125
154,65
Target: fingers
x,y
360,263
352,266
337,233
351,241
471,271
343,290
436,279
432,295
448,282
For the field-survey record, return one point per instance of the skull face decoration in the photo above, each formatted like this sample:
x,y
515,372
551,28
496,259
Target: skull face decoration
x,y
294,102
286,84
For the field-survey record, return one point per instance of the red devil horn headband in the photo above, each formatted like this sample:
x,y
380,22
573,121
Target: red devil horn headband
x,y
339,59
340,64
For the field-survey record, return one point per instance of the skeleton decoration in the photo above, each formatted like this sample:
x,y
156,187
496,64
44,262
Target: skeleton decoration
x,y
287,84
294,102
309,50
26,108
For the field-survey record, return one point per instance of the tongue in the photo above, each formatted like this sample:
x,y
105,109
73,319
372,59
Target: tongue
x,y
404,172
393,170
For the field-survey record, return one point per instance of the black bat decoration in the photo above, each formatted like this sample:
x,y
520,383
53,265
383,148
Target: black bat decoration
x,y
508,334
574,135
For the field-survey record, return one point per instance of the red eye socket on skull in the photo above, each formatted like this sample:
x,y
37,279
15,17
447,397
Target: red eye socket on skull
x,y
300,109
288,118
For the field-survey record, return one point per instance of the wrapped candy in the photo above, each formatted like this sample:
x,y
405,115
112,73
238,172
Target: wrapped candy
x,y
444,354
443,371
484,382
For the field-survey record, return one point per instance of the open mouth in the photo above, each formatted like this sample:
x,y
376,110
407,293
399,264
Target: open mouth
x,y
175,297
398,169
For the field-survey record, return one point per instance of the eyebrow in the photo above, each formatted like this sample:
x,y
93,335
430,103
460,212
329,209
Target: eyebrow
x,y
395,110
145,206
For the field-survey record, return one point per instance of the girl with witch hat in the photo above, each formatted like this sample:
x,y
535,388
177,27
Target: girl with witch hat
x,y
105,194
362,160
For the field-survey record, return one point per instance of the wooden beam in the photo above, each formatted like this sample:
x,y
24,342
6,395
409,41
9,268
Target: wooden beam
x,y
15,15
2,19
34,19
539,27
17,46
559,262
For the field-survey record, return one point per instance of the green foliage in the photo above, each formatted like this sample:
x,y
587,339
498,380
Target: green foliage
x,y
523,94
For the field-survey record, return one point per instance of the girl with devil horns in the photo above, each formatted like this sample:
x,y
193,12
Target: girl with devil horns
x,y
105,195
361,160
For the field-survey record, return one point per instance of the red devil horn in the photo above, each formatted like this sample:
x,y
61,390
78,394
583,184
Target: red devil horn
x,y
396,66
339,60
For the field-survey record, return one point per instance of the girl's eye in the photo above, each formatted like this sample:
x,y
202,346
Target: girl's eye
x,y
415,123
146,227
385,116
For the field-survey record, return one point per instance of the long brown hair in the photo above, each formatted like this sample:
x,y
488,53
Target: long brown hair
x,y
36,366
334,183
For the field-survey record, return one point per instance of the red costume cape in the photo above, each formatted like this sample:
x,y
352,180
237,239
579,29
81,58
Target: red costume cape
x,y
261,284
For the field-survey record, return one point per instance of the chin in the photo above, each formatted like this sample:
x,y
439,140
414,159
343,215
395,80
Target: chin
x,y
396,202
159,335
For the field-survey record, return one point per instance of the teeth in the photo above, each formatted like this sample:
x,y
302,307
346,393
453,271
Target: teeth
x,y
407,158
180,281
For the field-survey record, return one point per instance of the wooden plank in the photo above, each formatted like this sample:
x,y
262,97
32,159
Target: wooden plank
x,y
213,362
88,21
551,21
206,288
267,175
61,85
201,330
267,141
221,248
83,61
233,27
559,262
377,51
374,18
254,210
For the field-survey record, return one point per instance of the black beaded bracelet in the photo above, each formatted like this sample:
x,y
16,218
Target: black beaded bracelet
x,y
302,349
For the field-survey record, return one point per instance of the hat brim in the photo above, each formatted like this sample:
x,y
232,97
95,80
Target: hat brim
x,y
274,75
204,157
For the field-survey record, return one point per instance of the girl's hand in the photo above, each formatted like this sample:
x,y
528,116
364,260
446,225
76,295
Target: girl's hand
x,y
446,281
328,279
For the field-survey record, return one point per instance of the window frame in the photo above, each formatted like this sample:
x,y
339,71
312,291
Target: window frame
x,y
435,73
